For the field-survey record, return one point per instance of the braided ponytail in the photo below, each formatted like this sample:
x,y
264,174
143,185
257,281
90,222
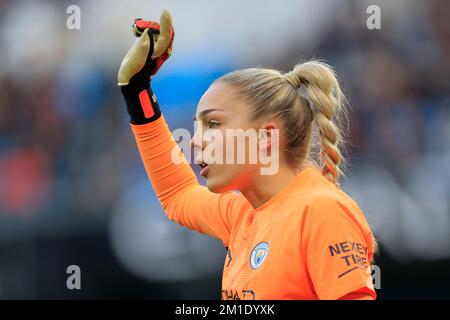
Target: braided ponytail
x,y
317,83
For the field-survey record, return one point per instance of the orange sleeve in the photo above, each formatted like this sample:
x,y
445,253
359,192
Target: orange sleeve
x,y
357,296
183,199
338,247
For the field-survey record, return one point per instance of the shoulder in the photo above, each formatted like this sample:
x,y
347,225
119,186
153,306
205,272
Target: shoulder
x,y
316,195
332,217
330,206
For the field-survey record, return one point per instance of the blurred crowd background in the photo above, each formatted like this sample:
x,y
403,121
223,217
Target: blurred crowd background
x,y
73,190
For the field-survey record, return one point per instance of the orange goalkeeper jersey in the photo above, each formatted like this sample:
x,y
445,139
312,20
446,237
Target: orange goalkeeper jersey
x,y
309,241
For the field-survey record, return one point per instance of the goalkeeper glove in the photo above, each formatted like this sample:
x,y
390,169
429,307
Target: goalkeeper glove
x,y
146,56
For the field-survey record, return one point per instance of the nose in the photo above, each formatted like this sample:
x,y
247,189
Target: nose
x,y
196,142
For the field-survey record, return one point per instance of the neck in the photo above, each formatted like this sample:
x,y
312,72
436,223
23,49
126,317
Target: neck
x,y
264,187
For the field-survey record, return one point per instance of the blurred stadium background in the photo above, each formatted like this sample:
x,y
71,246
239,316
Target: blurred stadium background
x,y
73,189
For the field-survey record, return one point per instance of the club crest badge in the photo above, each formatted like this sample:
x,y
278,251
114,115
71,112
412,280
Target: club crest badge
x,y
259,254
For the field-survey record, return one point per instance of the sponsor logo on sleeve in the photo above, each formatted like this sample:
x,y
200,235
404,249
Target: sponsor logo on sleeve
x,y
352,254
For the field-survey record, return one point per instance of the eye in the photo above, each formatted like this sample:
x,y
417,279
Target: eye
x,y
213,124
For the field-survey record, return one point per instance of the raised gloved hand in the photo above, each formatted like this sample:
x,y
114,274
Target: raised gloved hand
x,y
145,57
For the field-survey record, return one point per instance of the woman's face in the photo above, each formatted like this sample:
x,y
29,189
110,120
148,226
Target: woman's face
x,y
219,115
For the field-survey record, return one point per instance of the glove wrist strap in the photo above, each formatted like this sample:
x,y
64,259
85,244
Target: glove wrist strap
x,y
142,105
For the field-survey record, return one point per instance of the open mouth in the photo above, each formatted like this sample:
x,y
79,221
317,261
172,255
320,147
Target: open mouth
x,y
204,169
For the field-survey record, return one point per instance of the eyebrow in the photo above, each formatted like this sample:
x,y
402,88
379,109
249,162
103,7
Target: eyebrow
x,y
205,112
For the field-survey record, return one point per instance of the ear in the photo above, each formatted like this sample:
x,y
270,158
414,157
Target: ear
x,y
267,132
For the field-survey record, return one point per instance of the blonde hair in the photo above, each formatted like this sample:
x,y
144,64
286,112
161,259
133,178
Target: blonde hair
x,y
308,93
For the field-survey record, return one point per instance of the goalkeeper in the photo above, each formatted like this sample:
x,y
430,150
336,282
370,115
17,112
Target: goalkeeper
x,y
293,234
